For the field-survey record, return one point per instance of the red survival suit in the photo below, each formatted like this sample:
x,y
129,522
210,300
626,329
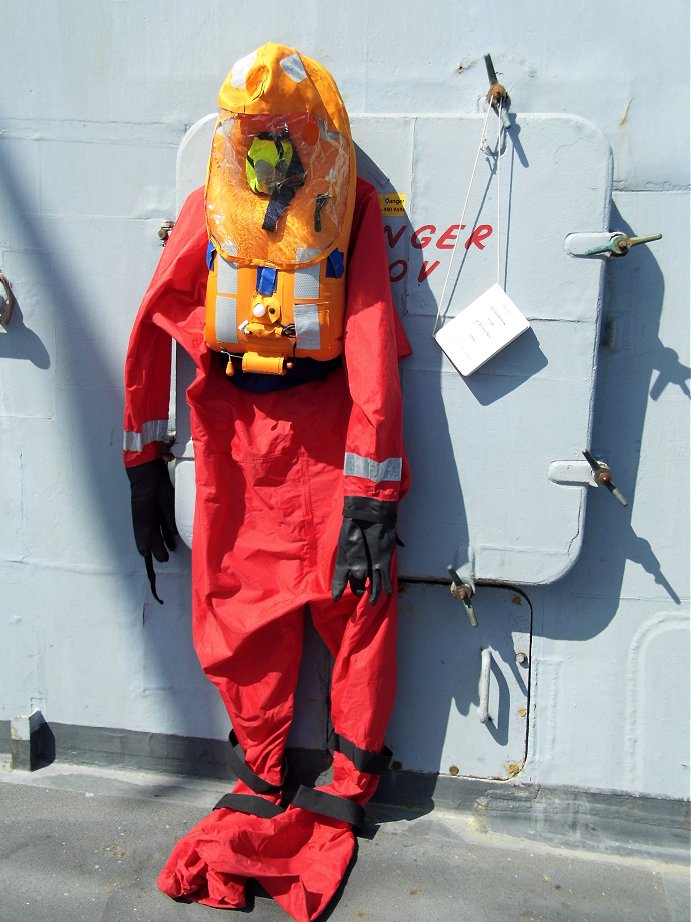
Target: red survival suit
x,y
270,485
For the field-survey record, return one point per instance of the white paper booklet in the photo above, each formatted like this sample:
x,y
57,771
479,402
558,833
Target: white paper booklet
x,y
484,328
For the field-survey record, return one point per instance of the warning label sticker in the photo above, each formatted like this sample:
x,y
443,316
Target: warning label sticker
x,y
392,204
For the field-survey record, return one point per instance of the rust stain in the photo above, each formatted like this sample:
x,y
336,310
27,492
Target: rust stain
x,y
117,851
516,600
522,712
513,768
453,769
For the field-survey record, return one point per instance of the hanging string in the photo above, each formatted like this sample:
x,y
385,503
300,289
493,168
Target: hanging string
x,y
462,219
500,134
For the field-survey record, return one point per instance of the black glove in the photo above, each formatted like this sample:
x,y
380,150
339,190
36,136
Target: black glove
x,y
153,514
366,544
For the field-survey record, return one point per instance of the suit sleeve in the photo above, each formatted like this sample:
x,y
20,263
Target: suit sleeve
x,y
374,464
172,308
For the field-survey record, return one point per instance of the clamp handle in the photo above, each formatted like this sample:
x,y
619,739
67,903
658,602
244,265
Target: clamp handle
x,y
619,244
463,591
602,475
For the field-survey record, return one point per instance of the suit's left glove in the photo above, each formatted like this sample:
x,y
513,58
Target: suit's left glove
x,y
366,545
153,514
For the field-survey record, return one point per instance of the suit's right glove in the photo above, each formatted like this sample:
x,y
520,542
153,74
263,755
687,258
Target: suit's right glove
x,y
366,545
153,514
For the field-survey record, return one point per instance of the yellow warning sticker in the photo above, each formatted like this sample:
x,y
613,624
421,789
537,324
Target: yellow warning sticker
x,y
392,204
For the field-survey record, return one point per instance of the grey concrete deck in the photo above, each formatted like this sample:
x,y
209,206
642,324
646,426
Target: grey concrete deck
x,y
87,844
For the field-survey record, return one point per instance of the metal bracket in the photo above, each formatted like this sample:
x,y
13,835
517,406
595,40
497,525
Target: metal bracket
x,y
463,590
590,472
497,93
164,231
603,243
7,302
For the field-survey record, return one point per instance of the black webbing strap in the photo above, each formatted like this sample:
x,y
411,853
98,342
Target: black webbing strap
x,y
374,763
284,193
338,808
248,803
244,772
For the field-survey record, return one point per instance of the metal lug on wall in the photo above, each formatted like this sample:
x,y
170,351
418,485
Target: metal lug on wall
x,y
604,243
591,473
463,590
164,231
602,475
7,302
497,93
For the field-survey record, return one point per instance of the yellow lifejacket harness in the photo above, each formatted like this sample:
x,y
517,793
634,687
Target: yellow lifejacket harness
x,y
271,317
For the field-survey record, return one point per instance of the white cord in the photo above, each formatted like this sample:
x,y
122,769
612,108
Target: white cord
x,y
460,223
499,140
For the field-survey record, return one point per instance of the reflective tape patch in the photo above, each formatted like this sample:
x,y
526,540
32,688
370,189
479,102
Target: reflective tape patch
x,y
307,283
294,68
240,70
376,471
305,254
327,135
229,247
307,326
155,430
226,319
227,280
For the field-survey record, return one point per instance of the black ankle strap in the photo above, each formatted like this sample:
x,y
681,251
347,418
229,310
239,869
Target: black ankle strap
x,y
374,763
248,803
337,808
245,773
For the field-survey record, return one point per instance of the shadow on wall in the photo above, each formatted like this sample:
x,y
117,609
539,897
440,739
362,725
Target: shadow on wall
x,y
627,379
89,425
23,343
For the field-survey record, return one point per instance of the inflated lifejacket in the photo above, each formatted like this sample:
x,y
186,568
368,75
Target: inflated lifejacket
x,y
279,199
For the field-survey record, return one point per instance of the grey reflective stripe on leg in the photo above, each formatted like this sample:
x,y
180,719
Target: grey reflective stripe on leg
x,y
244,772
374,763
376,471
155,430
337,808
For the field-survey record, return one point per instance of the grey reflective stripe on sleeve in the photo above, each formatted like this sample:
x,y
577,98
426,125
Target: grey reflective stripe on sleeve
x,y
376,471
226,319
155,430
307,326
